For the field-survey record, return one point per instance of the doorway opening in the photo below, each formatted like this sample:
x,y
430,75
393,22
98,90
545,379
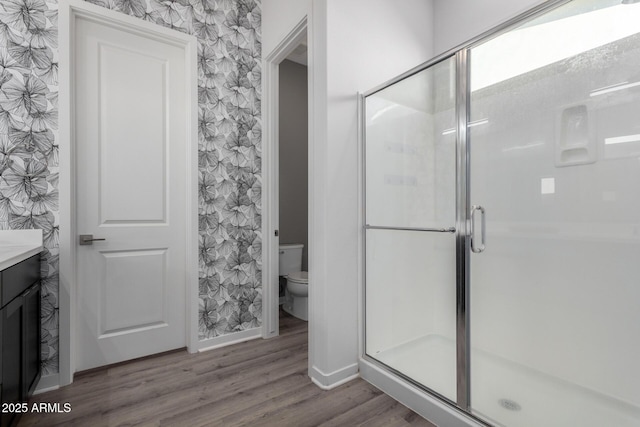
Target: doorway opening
x,y
285,165
293,183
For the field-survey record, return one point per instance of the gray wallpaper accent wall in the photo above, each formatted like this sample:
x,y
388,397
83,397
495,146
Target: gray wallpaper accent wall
x,y
28,142
229,92
229,131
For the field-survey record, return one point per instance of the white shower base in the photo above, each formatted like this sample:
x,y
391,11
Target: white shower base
x,y
543,399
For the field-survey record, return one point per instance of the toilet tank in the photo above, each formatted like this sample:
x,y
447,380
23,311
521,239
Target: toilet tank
x,y
290,258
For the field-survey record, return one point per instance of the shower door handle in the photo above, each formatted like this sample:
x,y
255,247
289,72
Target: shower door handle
x,y
477,249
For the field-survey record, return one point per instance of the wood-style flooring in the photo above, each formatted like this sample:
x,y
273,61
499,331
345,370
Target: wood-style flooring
x,y
259,382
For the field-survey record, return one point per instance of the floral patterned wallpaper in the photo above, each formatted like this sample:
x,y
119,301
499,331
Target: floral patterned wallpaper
x,y
229,92
28,142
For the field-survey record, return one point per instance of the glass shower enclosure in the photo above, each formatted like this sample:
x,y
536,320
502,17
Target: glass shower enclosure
x,y
502,221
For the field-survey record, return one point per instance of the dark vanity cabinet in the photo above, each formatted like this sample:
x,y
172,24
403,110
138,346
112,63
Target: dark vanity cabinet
x,y
20,339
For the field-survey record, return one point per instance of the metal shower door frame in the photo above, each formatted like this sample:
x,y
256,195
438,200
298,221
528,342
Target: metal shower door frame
x,y
463,228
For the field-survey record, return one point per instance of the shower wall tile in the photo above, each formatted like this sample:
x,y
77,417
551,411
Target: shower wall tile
x,y
229,151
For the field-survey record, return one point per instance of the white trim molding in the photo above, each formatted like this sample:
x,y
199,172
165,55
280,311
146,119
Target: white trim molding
x,y
333,379
361,222
69,11
229,339
270,178
191,190
319,311
47,383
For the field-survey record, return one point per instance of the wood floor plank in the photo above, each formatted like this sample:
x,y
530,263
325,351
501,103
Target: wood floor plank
x,y
313,410
371,409
258,382
235,386
395,415
241,405
169,392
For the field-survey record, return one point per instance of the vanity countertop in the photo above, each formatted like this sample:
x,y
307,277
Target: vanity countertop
x,y
18,245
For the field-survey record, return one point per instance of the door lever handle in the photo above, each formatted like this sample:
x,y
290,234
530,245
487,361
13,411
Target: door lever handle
x,y
87,239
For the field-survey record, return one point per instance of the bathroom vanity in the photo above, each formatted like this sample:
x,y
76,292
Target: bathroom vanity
x,y
19,321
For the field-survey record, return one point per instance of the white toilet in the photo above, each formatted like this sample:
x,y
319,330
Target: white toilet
x,y
297,290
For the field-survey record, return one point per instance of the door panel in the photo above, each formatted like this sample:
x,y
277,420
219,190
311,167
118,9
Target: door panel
x,y
11,321
131,131
131,277
555,296
132,82
31,339
411,304
410,214
410,151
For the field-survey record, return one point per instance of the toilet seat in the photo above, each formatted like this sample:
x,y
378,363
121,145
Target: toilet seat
x,y
301,277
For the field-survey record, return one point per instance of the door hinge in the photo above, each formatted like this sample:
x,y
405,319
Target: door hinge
x,y
277,233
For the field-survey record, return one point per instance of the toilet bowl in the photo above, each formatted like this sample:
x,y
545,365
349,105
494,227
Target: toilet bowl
x,y
297,294
297,287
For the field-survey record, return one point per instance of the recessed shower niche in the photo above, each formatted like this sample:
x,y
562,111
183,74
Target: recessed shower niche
x,y
575,143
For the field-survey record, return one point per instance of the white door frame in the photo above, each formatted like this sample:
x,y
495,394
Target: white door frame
x,y
69,10
270,172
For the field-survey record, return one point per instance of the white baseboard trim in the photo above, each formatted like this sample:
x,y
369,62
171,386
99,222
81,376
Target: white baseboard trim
x,y
48,383
229,339
335,378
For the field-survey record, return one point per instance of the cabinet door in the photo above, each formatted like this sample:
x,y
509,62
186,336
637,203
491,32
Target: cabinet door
x,y
11,356
30,340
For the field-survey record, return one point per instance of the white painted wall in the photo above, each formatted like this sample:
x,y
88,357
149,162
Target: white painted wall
x,y
460,20
368,42
278,19
354,46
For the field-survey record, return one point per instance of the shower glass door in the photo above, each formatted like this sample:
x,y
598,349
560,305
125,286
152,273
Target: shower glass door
x,y
555,164
410,149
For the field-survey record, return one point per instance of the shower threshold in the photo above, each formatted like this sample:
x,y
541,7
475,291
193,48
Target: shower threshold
x,y
498,395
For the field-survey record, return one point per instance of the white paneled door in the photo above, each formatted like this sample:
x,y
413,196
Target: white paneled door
x,y
131,126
